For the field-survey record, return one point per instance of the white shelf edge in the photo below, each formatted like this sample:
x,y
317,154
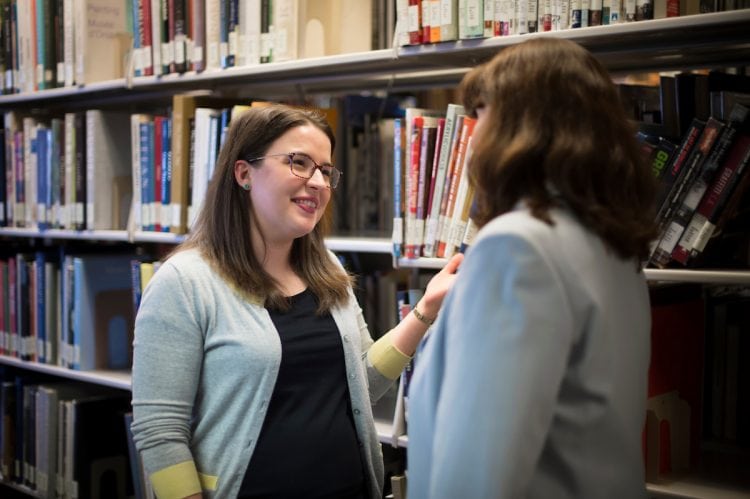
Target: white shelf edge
x,y
695,488
698,276
113,379
385,436
359,244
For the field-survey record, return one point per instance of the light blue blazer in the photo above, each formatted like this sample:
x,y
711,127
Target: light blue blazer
x,y
533,381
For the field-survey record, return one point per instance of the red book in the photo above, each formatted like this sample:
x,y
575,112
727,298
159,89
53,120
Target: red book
x,y
412,187
415,22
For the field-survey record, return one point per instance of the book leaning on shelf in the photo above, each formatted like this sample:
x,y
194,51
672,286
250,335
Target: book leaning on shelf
x,y
723,165
691,168
704,163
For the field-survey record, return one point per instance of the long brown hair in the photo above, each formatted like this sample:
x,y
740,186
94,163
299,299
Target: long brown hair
x,y
223,227
556,134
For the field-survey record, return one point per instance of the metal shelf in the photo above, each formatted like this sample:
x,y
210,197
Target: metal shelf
x,y
114,379
714,39
363,244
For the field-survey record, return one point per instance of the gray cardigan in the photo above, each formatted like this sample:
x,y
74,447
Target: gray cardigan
x,y
205,364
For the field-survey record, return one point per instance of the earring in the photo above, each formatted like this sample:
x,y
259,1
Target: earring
x,y
246,186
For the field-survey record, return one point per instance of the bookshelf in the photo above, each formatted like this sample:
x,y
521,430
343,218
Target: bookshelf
x,y
716,39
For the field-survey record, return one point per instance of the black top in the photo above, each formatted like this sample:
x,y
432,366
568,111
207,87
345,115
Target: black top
x,y
308,443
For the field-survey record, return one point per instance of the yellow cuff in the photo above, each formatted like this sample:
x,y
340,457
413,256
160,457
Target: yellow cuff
x,y
176,481
386,358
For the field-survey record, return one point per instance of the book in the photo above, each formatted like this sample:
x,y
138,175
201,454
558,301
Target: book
x,y
103,313
102,40
108,169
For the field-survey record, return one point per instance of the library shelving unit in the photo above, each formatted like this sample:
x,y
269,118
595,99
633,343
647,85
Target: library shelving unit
x,y
712,40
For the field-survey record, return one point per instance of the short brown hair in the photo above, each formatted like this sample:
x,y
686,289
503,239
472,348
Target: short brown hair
x,y
223,227
557,135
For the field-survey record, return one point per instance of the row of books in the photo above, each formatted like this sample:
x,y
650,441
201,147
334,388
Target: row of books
x,y
431,21
701,181
71,310
61,43
432,195
109,170
65,440
55,43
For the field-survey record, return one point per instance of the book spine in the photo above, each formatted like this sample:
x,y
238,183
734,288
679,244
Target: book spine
x,y
397,235
412,187
166,182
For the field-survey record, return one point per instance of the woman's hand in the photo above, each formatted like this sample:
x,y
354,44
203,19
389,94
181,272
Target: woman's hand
x,y
438,287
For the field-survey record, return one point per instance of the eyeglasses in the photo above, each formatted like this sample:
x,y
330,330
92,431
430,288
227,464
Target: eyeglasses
x,y
303,166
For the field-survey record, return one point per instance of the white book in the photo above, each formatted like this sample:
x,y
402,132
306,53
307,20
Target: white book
x,y
156,35
30,171
201,161
285,29
249,15
213,35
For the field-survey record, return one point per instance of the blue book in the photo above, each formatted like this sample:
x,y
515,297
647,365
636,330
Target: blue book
x,y
103,312
166,173
146,135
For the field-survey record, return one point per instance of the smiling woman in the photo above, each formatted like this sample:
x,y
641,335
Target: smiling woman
x,y
254,371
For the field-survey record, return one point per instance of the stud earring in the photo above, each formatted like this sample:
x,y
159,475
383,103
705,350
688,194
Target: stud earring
x,y
246,186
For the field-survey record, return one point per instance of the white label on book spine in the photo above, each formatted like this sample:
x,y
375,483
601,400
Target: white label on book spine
x,y
398,230
60,74
233,44
138,59
79,213
197,54
179,49
147,61
176,210
704,234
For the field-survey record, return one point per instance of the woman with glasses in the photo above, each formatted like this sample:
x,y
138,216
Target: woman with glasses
x,y
254,371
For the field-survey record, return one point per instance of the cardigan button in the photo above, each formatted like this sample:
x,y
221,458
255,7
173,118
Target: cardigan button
x,y
356,411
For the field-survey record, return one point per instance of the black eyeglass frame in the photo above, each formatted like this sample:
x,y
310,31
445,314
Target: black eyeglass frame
x,y
333,176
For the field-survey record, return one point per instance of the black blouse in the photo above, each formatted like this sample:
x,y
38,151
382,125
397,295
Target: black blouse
x,y
308,443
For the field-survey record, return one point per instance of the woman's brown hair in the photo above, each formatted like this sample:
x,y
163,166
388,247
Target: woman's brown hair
x,y
222,231
556,135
